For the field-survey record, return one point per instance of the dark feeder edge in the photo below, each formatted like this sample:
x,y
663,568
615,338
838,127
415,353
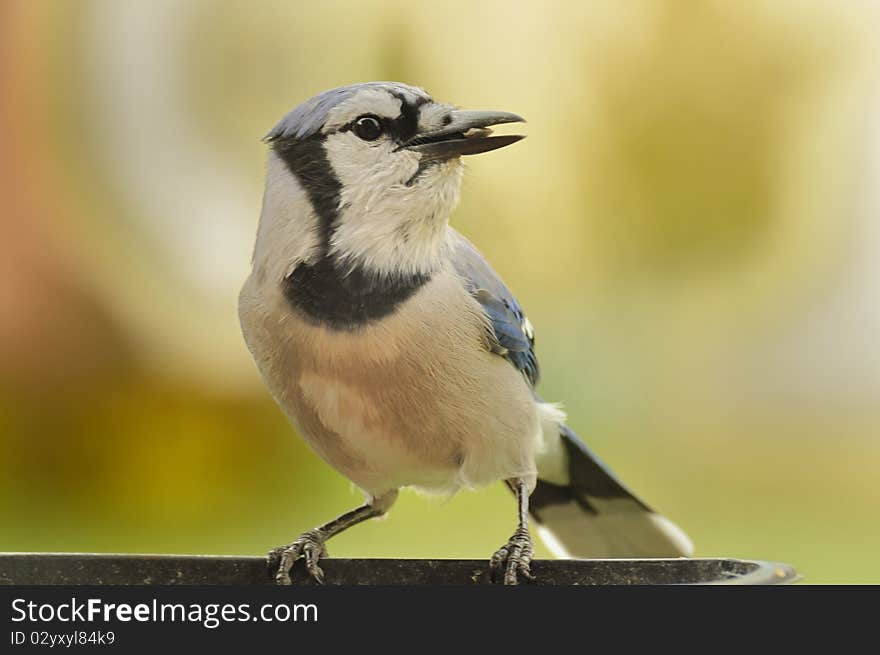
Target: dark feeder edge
x,y
98,569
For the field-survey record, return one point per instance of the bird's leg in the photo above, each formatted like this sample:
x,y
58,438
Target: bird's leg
x,y
311,545
515,557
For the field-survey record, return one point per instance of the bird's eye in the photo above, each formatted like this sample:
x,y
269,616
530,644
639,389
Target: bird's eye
x,y
368,128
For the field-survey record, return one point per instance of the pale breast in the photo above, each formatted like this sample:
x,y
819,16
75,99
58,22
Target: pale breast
x,y
414,399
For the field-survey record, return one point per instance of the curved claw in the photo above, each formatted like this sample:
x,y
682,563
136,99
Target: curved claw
x,y
313,553
309,545
513,559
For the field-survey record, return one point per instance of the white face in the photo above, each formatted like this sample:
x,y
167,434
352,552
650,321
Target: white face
x,y
394,206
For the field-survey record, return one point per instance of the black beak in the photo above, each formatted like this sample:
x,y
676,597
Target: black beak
x,y
466,134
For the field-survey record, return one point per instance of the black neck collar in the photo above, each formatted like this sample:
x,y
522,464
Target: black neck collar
x,y
347,299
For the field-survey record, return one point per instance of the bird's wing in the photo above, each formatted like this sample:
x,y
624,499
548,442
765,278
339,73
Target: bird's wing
x,y
512,336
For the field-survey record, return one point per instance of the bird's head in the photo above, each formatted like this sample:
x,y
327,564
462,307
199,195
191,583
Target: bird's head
x,y
368,174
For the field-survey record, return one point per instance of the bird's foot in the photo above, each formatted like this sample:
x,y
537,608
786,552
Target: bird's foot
x,y
310,546
513,559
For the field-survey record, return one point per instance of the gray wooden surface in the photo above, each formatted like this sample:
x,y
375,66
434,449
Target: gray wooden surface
x,y
95,569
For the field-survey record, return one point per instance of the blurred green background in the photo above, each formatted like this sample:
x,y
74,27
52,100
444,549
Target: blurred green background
x,y
692,226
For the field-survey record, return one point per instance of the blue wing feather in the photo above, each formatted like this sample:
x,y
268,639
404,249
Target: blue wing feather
x,y
512,337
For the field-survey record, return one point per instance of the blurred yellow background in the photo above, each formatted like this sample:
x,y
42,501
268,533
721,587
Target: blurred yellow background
x,y
692,226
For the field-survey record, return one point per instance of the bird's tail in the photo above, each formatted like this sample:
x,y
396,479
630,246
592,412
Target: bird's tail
x,y
583,510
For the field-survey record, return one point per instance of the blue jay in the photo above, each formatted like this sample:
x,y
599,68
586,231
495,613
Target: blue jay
x,y
393,347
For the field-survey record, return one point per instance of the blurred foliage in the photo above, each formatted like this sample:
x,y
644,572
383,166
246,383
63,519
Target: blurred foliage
x,y
691,225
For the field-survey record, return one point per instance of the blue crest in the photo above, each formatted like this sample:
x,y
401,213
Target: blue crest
x,y
307,118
